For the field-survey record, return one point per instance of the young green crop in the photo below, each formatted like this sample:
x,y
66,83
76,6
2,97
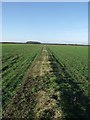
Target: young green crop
x,y
16,59
75,60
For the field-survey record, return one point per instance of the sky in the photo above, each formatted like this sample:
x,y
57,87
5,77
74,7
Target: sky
x,y
45,0
63,22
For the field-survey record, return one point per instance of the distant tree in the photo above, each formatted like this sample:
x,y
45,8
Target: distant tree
x,y
33,42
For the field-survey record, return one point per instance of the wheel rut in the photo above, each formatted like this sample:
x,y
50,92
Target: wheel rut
x,y
38,97
48,92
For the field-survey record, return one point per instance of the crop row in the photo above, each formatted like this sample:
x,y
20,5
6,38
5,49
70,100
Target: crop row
x,y
16,60
72,80
75,60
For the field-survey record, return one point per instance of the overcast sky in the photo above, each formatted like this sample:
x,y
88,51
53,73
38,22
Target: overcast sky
x,y
63,22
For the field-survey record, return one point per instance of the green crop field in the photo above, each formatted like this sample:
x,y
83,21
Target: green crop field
x,y
44,81
16,59
75,60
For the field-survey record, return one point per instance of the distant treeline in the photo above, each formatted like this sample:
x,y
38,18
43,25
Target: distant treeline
x,y
33,42
65,44
11,43
28,42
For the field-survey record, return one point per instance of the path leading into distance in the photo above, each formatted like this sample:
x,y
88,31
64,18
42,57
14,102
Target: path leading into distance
x,y
47,92
38,97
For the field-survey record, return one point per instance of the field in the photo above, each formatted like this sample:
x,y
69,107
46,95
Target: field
x,y
45,82
16,59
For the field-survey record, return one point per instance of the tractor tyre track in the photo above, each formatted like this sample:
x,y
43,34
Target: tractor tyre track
x,y
38,97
